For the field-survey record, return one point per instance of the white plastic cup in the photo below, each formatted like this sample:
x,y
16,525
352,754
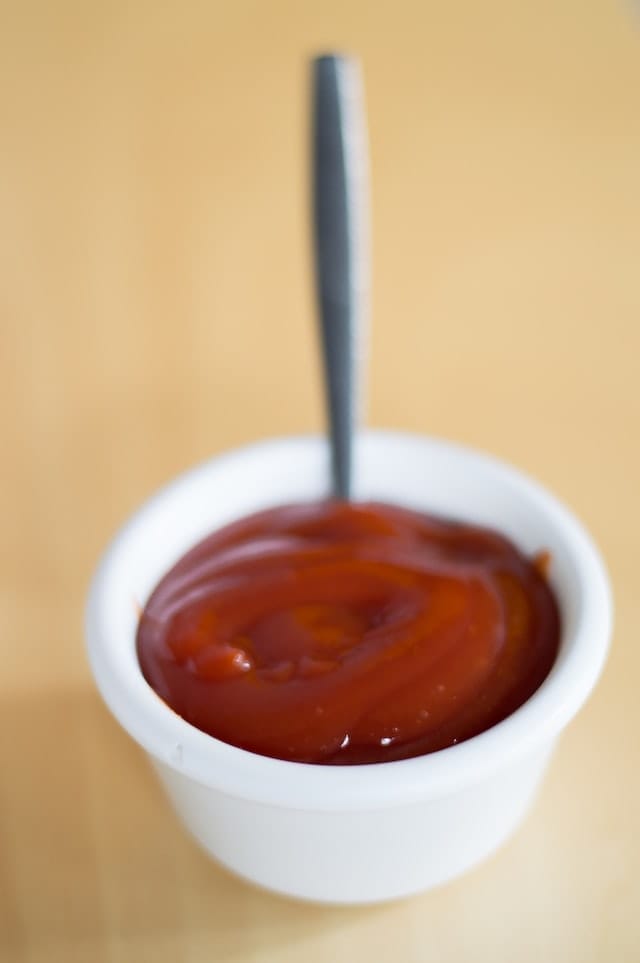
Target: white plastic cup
x,y
350,834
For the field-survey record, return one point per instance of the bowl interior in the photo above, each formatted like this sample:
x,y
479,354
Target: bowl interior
x,y
429,475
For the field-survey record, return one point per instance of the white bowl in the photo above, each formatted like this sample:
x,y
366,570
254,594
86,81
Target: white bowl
x,y
350,834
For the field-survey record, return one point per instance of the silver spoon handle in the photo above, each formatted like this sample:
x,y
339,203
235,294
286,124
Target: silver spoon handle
x,y
340,220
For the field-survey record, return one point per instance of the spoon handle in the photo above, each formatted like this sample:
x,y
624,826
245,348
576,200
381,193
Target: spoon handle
x,y
341,247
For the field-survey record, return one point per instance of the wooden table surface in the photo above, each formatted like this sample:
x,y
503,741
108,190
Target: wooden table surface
x,y
156,308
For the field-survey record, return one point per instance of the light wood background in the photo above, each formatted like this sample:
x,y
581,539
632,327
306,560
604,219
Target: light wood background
x,y
155,309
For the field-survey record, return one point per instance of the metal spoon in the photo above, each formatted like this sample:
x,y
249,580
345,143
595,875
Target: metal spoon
x,y
341,248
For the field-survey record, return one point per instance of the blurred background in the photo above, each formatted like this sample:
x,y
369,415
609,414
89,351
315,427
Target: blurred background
x,y
156,308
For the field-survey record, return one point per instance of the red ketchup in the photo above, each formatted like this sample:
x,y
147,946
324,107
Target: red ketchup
x,y
348,633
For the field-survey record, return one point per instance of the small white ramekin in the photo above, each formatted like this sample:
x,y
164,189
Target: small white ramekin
x,y
349,834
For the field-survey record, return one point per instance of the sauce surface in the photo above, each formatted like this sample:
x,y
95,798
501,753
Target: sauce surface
x,y
348,633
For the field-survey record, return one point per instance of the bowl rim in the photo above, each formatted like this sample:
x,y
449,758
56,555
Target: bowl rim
x,y
172,741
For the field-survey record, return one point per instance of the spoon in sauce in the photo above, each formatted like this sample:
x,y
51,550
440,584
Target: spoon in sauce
x,y
337,633
340,223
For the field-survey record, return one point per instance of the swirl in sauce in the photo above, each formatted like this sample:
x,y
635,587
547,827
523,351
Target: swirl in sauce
x,y
348,633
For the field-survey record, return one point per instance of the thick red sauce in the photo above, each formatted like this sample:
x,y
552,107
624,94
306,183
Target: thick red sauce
x,y
348,633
